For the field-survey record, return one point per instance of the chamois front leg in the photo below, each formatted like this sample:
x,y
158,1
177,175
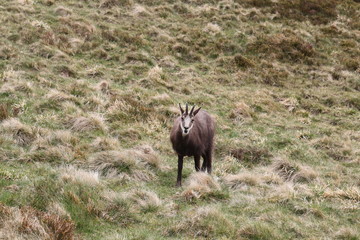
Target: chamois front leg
x,y
180,166
197,162
208,162
203,167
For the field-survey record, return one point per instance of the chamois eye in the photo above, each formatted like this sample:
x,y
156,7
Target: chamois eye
x,y
192,120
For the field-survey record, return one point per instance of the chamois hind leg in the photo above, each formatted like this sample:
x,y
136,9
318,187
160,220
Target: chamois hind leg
x,y
197,162
208,162
180,167
203,167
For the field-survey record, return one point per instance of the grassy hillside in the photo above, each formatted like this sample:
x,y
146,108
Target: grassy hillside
x,y
89,90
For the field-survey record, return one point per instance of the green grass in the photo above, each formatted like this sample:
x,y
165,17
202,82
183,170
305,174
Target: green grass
x,y
281,78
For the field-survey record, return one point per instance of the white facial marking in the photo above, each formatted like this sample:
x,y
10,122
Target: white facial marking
x,y
186,125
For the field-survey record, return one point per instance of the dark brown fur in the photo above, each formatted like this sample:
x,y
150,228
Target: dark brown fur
x,y
198,143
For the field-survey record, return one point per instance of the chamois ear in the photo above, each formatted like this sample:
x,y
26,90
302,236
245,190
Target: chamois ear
x,y
181,110
196,111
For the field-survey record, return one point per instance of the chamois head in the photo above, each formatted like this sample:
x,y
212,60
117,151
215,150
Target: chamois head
x,y
187,119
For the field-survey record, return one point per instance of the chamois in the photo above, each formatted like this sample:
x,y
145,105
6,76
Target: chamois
x,y
193,135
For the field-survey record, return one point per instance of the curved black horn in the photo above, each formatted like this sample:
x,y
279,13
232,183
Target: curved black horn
x,y
197,110
187,109
181,110
192,109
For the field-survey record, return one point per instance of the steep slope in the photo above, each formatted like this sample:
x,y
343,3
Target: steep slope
x,y
88,94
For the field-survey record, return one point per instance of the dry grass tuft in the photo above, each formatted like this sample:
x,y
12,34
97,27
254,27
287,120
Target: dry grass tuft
x,y
212,28
336,148
108,162
251,155
57,143
65,137
155,73
290,103
318,12
274,75
242,180
114,3
306,174
346,233
257,3
29,223
285,169
199,184
352,64
257,231
104,86
144,175
52,154
227,165
62,11
61,228
58,96
22,134
269,177
258,176
163,98
352,193
105,143
97,102
126,164
282,193
139,11
294,172
94,121
83,28
128,109
4,113
7,53
80,176
241,111
204,222
243,62
144,199
147,154
10,75
58,209
286,46
120,209
235,63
